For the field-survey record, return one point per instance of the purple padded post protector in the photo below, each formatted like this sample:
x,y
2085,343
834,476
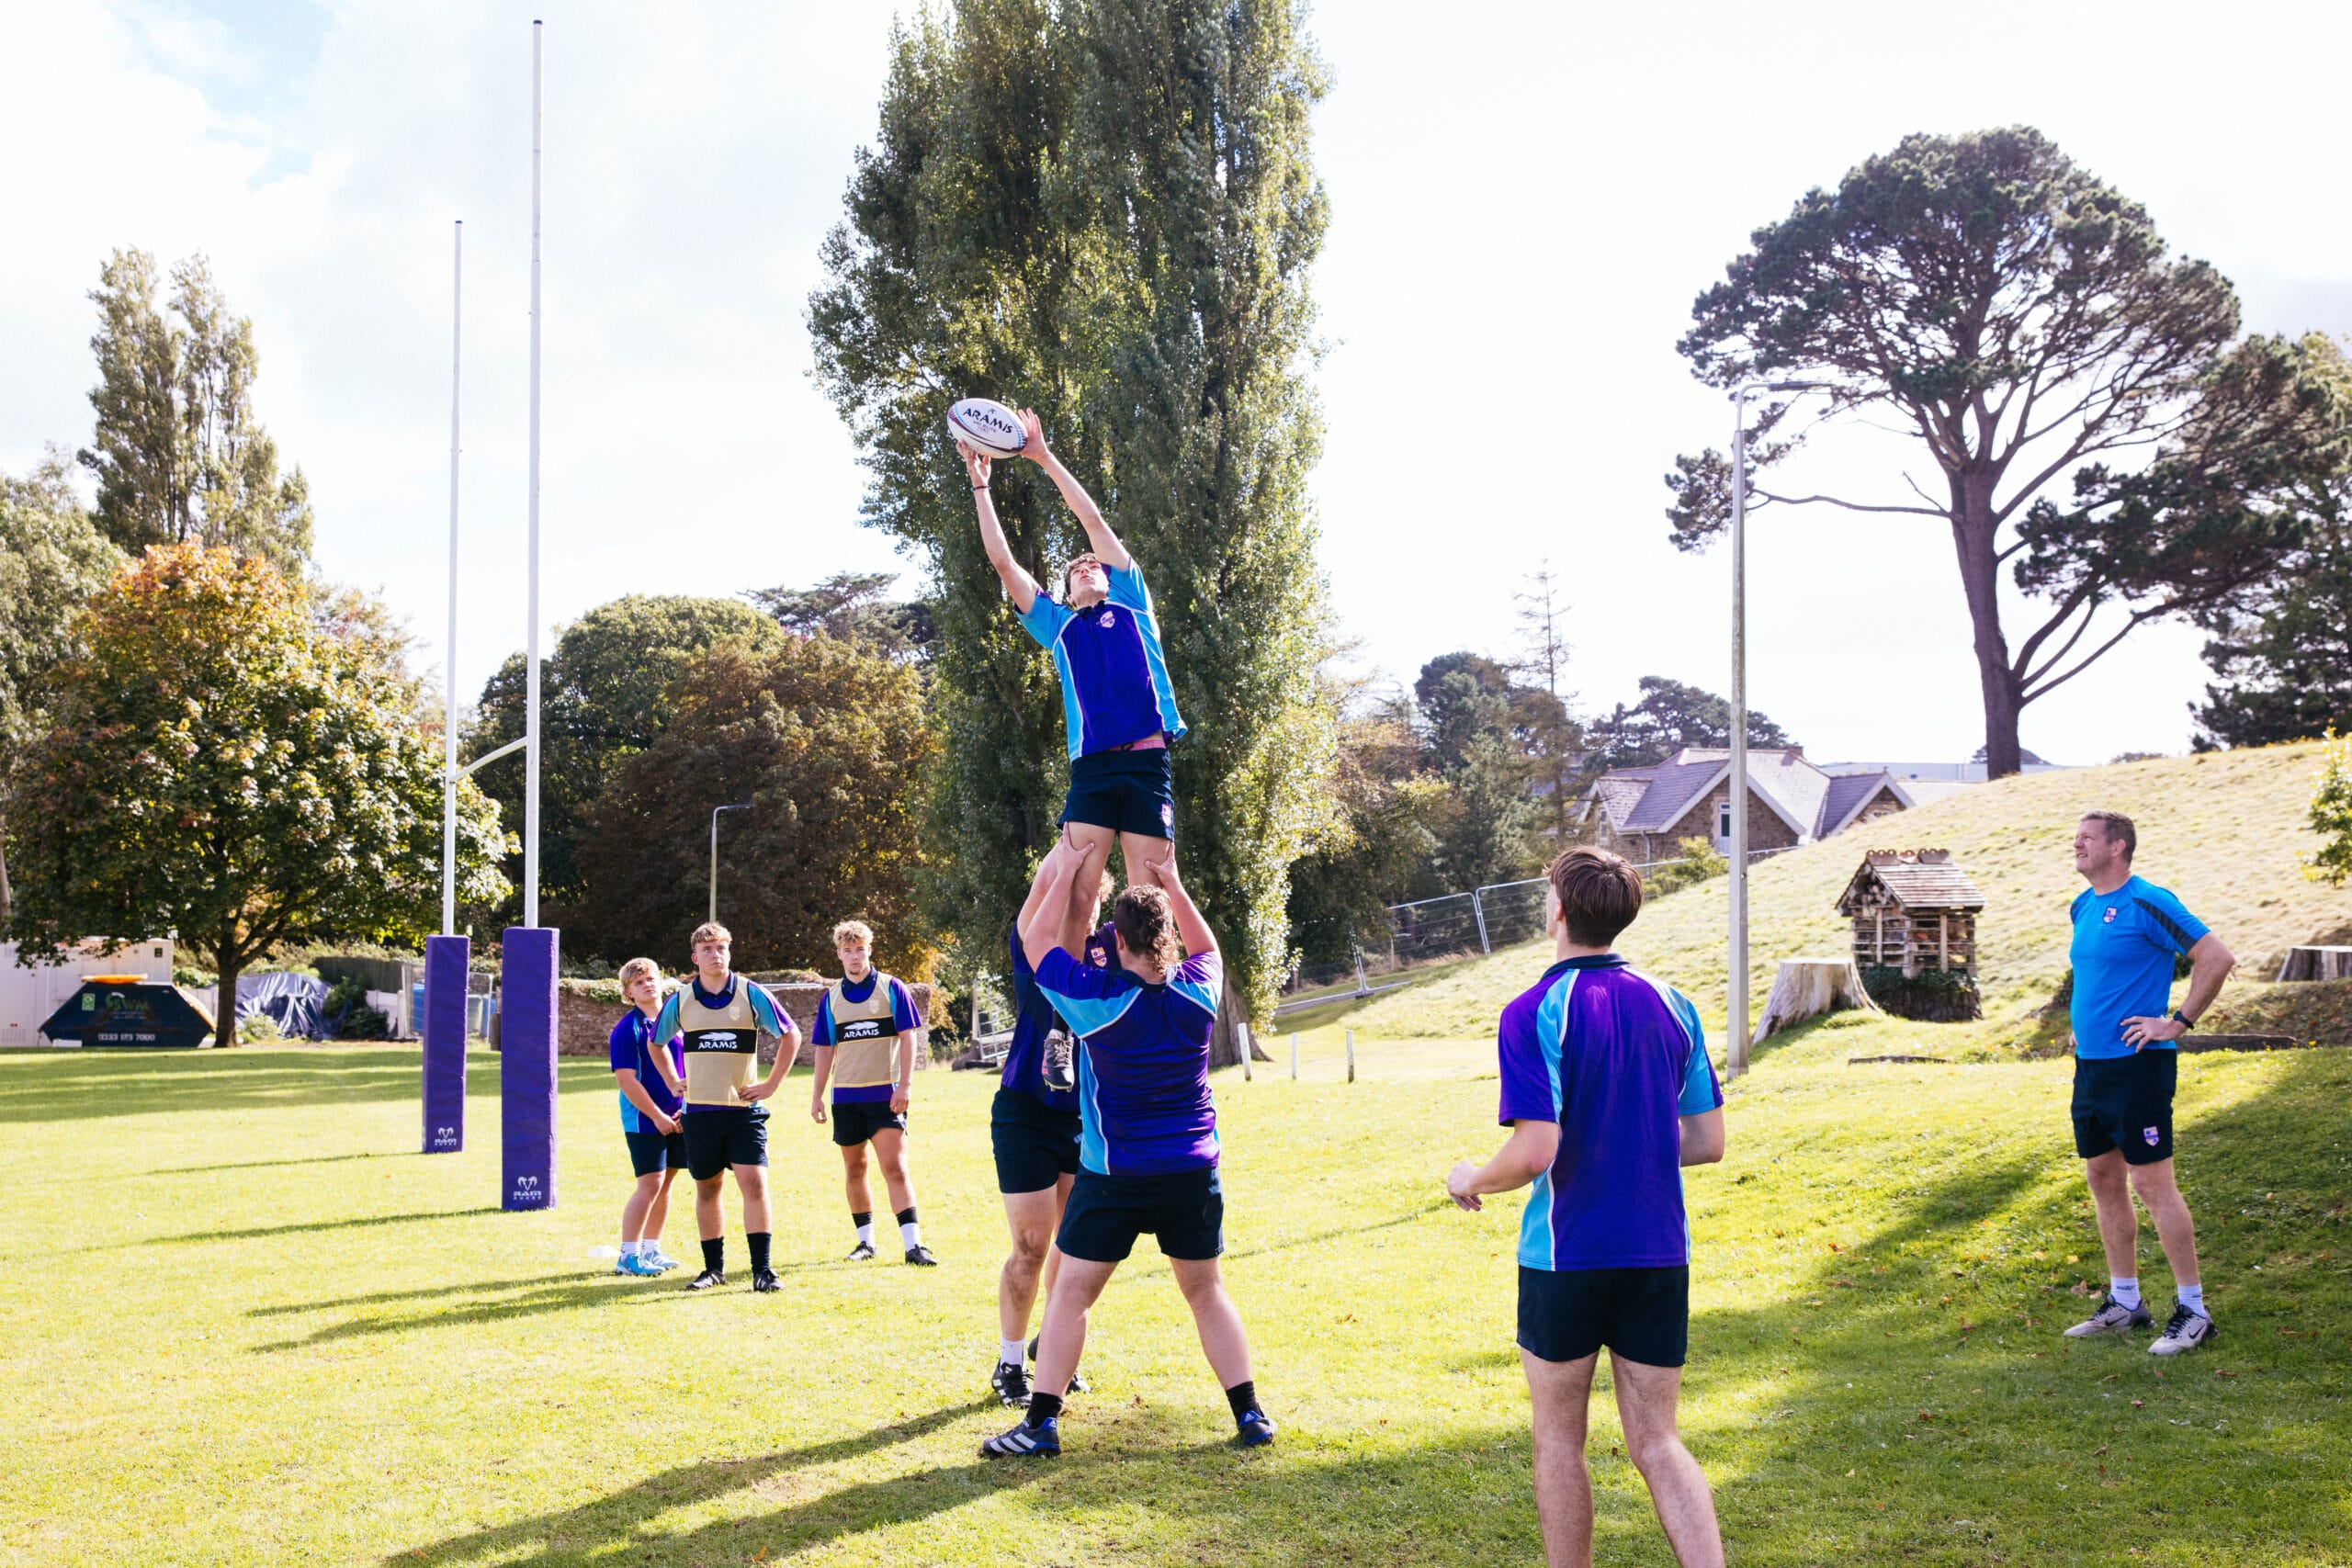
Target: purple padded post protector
x,y
526,1067
444,1043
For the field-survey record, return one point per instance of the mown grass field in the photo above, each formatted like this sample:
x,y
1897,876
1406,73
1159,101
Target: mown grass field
x,y
244,1322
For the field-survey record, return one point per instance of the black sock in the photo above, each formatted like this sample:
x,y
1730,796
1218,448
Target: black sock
x,y
861,1220
907,1215
714,1255
1243,1397
759,1240
1043,1407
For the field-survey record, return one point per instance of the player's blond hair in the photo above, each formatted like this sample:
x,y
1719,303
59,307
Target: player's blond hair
x,y
710,931
638,969
857,931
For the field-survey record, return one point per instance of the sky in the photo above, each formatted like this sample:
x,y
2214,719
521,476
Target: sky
x,y
1525,199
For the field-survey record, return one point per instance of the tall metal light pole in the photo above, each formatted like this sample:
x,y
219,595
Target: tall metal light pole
x,y
741,806
531,718
449,648
1738,976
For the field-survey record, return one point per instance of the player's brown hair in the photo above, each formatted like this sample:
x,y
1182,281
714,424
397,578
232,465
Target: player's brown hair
x,y
1073,565
709,930
1599,894
638,969
854,931
2119,830
1146,926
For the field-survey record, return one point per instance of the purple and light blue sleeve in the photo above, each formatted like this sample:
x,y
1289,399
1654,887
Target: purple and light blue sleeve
x,y
1527,1091
623,1041
902,1007
820,1029
1044,619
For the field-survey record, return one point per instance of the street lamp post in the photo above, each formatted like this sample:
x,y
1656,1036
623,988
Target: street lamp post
x,y
742,806
1738,976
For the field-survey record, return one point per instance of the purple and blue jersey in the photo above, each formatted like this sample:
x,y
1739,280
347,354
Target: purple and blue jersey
x,y
632,1048
2122,952
1616,1059
1116,689
1033,1018
1143,1079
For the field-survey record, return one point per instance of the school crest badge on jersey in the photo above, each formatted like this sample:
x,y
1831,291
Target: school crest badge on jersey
x,y
1107,620
1167,817
2111,915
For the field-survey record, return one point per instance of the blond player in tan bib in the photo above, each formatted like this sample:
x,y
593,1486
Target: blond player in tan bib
x,y
865,1039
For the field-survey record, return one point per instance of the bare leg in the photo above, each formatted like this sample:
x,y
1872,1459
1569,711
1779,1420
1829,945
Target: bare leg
x,y
1030,1216
1140,852
2160,1192
657,1212
641,1200
1559,1392
2118,1222
1064,1335
853,1183
1646,1397
710,1220
752,1181
1215,1316
890,1153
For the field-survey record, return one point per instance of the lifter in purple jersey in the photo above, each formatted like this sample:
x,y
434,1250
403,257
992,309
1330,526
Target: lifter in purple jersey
x,y
1034,1129
1148,1144
1118,702
1608,1092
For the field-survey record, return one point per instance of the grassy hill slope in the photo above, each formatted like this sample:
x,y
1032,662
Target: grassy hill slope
x,y
2225,831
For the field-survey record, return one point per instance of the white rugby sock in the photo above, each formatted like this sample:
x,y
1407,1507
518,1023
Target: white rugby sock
x,y
2125,1291
866,1232
1012,1352
910,1233
2193,1298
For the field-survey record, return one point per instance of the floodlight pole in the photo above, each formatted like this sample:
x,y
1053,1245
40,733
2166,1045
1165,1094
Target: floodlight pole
x,y
449,648
1737,1053
743,806
531,720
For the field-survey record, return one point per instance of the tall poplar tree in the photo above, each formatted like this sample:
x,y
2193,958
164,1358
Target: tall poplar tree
x,y
1105,210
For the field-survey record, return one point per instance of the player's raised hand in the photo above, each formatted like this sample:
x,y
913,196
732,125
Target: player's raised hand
x,y
1032,444
977,464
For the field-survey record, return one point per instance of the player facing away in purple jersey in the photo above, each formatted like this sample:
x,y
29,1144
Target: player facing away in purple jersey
x,y
1148,1145
1608,1092
652,1075
865,1040
1118,702
1033,1130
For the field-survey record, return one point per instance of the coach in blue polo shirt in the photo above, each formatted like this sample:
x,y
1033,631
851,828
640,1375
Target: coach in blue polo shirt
x,y
1118,703
2128,931
1608,1092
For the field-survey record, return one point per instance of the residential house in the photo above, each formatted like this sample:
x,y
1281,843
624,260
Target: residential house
x,y
1644,813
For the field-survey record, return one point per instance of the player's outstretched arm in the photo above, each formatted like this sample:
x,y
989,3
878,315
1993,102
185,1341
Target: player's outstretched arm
x,y
1198,938
1019,586
1099,536
1041,932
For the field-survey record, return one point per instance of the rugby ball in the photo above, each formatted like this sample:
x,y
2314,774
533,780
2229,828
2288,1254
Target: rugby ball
x,y
987,426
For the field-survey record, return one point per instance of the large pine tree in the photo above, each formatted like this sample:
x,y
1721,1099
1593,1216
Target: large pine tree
x,y
1106,211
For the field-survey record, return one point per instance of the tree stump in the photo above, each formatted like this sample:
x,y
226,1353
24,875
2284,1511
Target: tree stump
x,y
1807,987
2317,964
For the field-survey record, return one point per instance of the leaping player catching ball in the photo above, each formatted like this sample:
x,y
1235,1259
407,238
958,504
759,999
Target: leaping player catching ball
x,y
1117,702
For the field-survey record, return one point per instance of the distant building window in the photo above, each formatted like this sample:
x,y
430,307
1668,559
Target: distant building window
x,y
1723,821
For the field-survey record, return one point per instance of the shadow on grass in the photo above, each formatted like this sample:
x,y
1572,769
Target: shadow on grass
x,y
426,1292
1912,1397
1125,1486
258,1232
557,1293
75,1086
273,1164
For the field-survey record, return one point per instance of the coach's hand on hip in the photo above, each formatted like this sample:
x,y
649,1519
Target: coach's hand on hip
x,y
2139,1031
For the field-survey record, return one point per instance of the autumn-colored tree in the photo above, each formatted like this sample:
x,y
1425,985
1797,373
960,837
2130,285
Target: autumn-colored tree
x,y
240,760
828,741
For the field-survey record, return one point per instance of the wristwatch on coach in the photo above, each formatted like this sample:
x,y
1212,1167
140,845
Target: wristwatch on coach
x,y
2183,1019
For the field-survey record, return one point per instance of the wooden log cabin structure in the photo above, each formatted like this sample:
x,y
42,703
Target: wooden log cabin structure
x,y
1913,910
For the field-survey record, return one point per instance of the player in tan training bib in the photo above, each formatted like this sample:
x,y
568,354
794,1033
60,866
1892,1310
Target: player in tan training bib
x,y
865,1039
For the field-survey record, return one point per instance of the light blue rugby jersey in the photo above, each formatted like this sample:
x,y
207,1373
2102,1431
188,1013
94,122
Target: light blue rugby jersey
x,y
1116,689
